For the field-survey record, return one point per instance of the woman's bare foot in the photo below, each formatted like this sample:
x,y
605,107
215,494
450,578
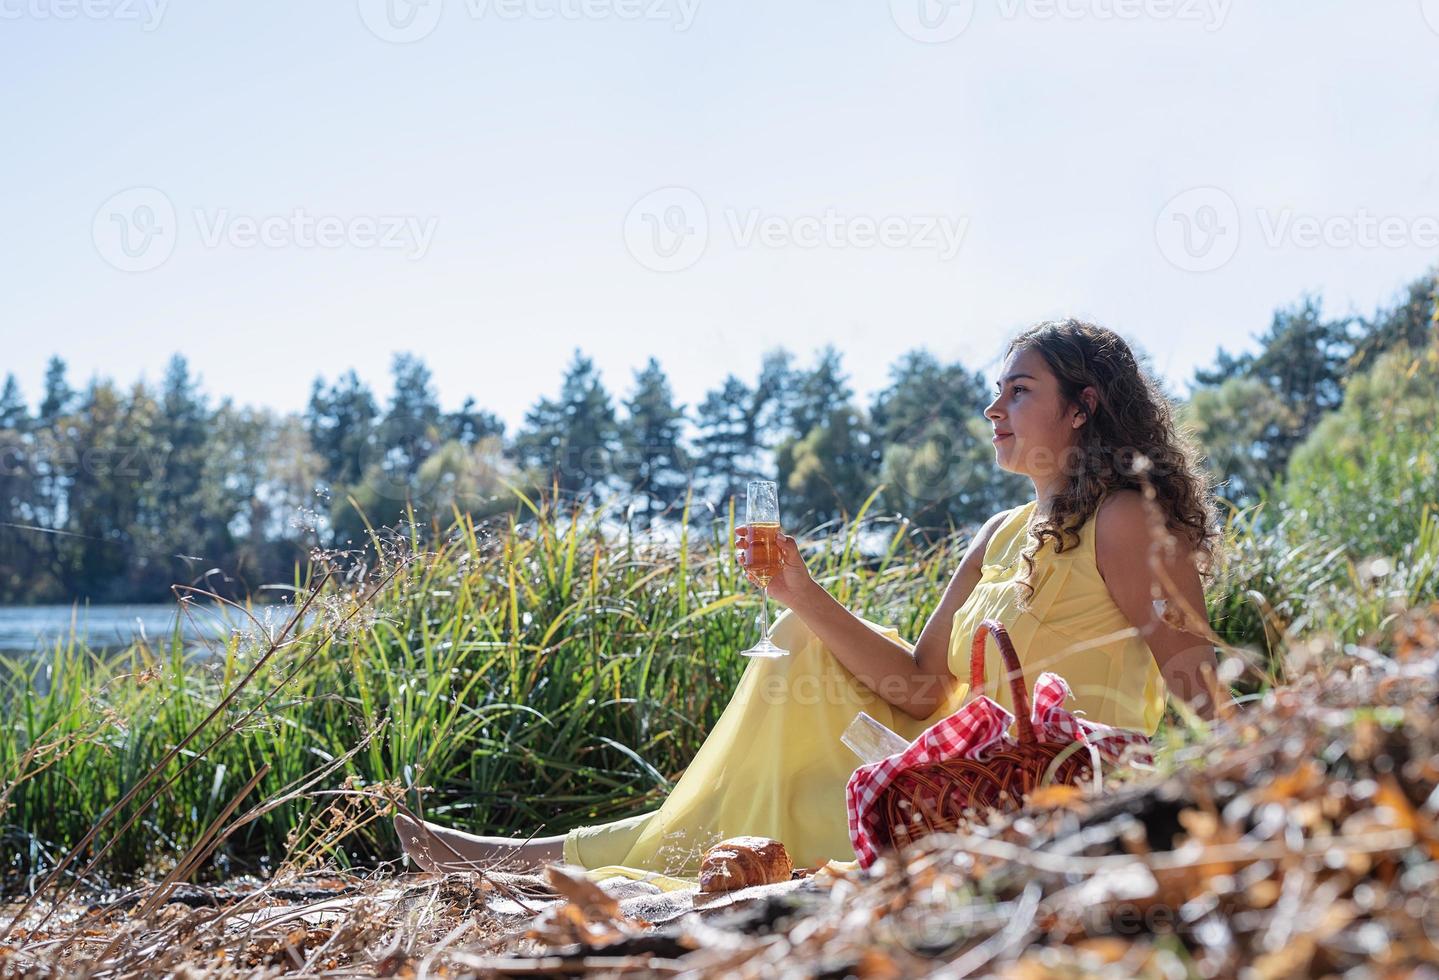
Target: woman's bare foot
x,y
437,848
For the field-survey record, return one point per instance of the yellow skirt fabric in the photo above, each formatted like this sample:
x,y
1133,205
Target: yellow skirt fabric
x,y
774,766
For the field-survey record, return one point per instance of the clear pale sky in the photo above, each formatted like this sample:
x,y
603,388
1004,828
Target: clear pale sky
x,y
528,138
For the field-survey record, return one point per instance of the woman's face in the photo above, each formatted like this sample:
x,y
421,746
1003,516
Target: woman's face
x,y
1032,426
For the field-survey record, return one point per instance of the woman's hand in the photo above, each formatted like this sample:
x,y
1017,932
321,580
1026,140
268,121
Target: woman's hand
x,y
792,580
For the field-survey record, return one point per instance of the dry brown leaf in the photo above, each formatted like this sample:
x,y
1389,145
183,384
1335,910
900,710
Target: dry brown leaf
x,y
1300,782
1056,796
1290,961
1262,894
1391,796
1108,949
876,965
581,891
587,915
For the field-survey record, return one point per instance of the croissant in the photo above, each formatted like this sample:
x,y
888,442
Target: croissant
x,y
741,862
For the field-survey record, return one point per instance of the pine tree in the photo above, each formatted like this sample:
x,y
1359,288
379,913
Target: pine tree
x,y
828,473
58,395
937,464
772,406
412,427
1236,423
147,571
14,413
470,424
184,428
189,521
922,393
818,392
1302,361
52,462
1411,324
103,499
271,471
655,465
17,488
828,462
570,441
1226,366
726,440
341,422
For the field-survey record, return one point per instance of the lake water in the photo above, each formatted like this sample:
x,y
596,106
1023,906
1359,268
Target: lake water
x,y
25,629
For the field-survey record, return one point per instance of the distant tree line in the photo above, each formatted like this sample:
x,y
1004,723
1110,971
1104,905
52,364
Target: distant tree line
x,y
1251,411
113,494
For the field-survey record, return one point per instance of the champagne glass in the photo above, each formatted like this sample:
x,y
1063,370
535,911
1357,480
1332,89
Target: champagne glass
x,y
762,554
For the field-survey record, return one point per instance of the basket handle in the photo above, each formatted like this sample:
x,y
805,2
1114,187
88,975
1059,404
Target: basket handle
x,y
1017,686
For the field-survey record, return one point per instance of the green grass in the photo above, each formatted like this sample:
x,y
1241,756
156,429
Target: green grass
x,y
1350,537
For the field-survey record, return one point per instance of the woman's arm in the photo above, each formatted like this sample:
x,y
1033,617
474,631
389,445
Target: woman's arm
x,y
1136,574
915,682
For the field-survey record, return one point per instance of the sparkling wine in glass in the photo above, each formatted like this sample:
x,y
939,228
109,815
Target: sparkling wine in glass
x,y
762,554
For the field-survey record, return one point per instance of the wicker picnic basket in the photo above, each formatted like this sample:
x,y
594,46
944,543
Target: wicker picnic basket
x,y
946,796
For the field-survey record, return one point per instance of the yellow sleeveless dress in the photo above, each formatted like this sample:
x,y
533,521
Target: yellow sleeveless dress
x,y
774,765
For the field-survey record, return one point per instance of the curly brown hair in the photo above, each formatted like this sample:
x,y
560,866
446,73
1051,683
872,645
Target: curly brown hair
x,y
1130,441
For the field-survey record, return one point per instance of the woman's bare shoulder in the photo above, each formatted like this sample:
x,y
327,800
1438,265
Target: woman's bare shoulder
x,y
1121,505
1123,526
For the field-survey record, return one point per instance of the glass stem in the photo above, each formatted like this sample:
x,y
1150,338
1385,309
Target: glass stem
x,y
764,612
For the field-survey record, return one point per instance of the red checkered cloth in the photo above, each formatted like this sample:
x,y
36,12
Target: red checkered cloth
x,y
968,734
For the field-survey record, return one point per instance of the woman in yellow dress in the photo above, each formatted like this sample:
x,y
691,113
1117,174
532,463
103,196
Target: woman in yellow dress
x,y
1097,578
